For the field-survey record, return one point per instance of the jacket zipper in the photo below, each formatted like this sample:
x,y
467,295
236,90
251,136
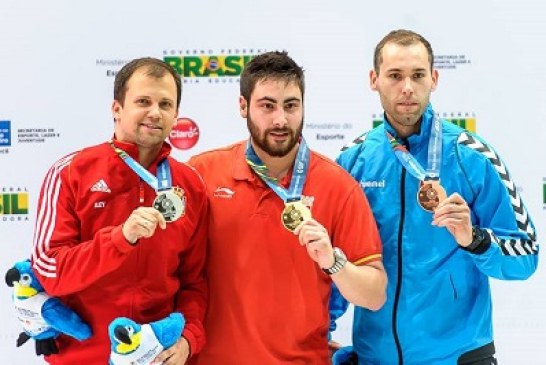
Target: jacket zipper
x,y
399,278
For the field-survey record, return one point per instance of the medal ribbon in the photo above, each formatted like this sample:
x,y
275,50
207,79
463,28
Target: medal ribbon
x,y
411,164
299,172
163,181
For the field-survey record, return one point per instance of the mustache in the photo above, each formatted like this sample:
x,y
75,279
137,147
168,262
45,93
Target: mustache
x,y
279,130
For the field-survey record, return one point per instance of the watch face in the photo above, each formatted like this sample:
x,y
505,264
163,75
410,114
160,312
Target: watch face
x,y
339,263
477,238
477,234
339,255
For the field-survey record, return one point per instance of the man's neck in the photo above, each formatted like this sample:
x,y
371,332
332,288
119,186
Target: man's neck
x,y
147,155
278,167
404,131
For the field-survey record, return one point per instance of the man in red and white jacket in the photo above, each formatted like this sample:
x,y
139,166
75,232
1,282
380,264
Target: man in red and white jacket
x,y
121,226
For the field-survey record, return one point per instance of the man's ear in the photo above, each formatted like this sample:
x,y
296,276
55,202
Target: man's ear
x,y
116,109
373,80
243,107
435,76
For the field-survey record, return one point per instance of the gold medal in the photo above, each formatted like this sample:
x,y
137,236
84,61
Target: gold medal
x,y
430,194
293,214
171,203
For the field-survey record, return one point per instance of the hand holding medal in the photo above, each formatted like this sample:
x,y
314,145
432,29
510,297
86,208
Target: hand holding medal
x,y
142,223
453,213
170,201
316,240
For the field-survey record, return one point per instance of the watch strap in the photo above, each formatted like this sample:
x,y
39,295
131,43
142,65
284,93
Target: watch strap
x,y
480,241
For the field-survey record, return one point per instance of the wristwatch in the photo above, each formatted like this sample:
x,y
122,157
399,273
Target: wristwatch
x,y
339,262
479,240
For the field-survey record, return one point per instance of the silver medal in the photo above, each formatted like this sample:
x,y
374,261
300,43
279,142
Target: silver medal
x,y
171,204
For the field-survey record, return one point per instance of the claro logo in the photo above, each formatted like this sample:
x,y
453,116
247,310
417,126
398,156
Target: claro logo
x,y
184,134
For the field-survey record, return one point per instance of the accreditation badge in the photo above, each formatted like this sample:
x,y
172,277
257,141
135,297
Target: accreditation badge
x,y
293,214
171,203
430,195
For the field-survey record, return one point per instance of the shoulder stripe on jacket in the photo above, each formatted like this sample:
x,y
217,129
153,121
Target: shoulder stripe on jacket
x,y
45,220
512,247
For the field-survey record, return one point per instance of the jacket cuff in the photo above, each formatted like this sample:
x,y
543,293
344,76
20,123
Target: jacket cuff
x,y
118,239
195,340
483,241
191,341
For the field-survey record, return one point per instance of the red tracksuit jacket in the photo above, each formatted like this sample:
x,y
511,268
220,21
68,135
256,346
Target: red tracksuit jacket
x,y
81,256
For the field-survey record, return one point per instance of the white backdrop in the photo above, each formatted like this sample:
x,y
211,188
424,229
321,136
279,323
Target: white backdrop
x,y
58,59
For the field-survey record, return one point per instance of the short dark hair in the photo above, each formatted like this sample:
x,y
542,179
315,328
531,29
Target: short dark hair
x,y
402,37
154,68
274,65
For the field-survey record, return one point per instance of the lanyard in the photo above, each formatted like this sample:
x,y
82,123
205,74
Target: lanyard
x,y
299,172
434,160
163,181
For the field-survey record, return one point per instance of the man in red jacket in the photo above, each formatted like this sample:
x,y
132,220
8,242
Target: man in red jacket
x,y
285,223
121,226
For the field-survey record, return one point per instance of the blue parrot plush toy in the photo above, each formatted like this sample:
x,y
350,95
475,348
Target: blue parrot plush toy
x,y
132,343
43,317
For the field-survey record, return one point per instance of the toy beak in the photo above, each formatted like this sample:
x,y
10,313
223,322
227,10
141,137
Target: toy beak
x,y
12,276
21,291
122,335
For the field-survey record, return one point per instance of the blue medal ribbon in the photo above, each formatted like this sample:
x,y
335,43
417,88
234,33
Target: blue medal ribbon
x,y
434,159
299,172
163,181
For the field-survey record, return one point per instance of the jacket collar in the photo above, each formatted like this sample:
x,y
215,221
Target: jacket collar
x,y
132,150
420,139
241,170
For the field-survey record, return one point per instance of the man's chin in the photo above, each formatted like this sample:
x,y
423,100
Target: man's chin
x,y
277,149
277,153
151,142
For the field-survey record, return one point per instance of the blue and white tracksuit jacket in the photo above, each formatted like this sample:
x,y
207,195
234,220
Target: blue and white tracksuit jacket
x,y
438,297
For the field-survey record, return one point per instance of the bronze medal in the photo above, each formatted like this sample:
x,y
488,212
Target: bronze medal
x,y
430,194
171,204
293,214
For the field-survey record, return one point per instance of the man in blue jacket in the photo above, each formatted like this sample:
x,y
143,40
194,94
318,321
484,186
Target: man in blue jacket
x,y
449,217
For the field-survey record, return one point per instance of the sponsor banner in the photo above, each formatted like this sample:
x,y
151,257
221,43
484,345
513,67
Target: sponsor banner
x,y
185,134
112,66
196,66
5,136
464,120
36,135
210,66
328,131
14,204
451,61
